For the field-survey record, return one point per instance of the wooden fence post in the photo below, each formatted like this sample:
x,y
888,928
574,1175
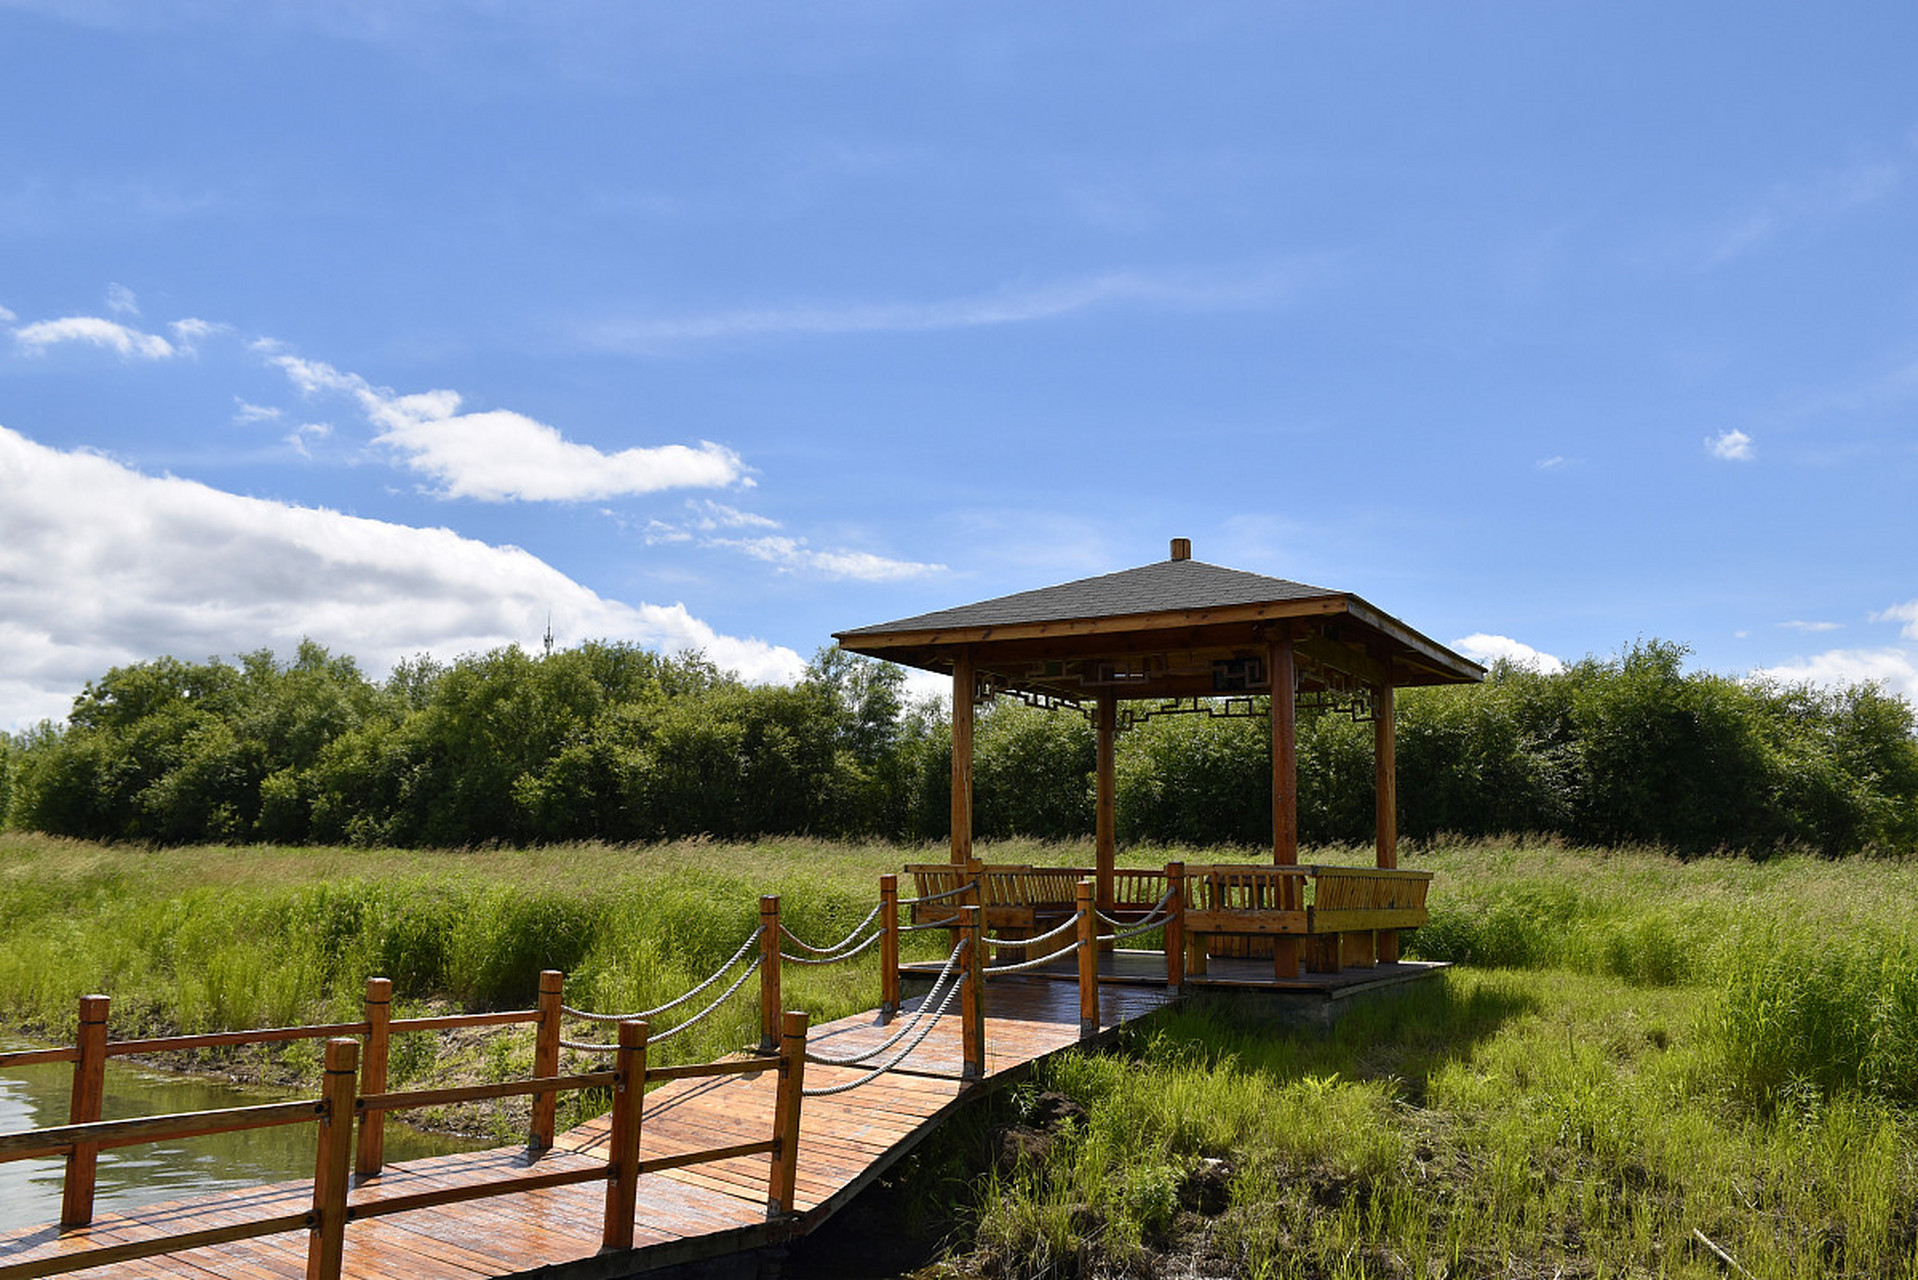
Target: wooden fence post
x,y
371,1155
1175,927
552,988
888,947
89,1087
972,992
326,1242
769,973
622,1142
1088,963
783,1178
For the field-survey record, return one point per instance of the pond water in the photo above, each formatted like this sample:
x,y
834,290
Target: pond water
x,y
37,1097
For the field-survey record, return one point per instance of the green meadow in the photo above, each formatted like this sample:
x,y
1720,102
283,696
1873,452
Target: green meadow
x,y
1641,1066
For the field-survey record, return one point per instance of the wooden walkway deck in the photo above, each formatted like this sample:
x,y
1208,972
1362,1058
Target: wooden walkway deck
x,y
685,1215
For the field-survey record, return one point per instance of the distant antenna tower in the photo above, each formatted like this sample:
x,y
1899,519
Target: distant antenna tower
x,y
549,634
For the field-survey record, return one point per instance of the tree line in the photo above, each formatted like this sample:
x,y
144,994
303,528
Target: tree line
x,y
611,741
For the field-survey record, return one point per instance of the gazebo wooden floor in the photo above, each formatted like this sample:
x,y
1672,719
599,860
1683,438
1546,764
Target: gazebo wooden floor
x,y
685,1215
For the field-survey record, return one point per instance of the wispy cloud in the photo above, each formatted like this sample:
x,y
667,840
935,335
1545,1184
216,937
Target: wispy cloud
x,y
1233,289
498,455
793,554
1730,446
707,520
1487,649
1906,613
129,343
1805,204
1811,628
121,301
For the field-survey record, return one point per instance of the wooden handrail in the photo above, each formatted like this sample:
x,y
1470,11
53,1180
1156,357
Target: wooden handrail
x,y
335,1110
104,1134
33,1057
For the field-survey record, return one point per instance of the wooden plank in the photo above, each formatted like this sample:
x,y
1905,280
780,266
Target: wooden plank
x,y
1366,919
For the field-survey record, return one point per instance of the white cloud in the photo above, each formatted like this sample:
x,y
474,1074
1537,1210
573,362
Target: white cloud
x,y
1811,628
1554,463
1487,649
793,553
131,343
1906,613
101,565
709,515
247,412
1893,668
121,301
1230,289
498,455
1732,446
6,316
188,332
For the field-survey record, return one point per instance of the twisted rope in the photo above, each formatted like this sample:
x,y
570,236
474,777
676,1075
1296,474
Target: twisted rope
x,y
1120,935
925,1006
1034,963
1151,912
956,922
589,1046
1072,922
934,897
905,1053
857,929
825,959
744,947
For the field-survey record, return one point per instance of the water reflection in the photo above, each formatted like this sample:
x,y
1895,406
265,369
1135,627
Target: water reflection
x,y
36,1097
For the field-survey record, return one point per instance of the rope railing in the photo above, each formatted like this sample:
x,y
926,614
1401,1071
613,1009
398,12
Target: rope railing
x,y
1071,923
867,1078
925,1006
1152,912
942,894
594,1046
790,958
840,945
645,1014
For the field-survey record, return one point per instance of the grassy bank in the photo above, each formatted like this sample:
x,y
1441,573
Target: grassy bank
x,y
1642,1066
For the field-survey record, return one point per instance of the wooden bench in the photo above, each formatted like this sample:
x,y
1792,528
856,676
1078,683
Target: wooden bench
x,y
1335,913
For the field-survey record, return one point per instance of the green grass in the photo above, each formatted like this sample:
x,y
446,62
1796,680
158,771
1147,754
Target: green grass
x,y
1634,1052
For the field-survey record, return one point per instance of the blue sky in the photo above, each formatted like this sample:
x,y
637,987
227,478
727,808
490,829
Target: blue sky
x,y
403,325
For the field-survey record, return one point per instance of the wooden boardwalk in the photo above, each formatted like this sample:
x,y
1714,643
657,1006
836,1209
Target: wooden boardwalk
x,y
702,1211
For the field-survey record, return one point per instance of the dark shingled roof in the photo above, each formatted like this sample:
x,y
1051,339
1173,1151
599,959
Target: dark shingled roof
x,y
1162,586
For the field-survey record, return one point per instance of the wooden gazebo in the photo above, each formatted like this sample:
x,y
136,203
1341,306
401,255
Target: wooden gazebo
x,y
1176,635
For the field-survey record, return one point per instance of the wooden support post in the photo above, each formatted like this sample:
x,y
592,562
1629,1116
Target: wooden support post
x,y
888,947
1358,949
1285,770
1323,953
769,973
326,1241
783,1179
89,1088
1175,927
1105,847
1285,956
1088,963
622,1140
552,994
962,756
972,993
1385,768
371,1155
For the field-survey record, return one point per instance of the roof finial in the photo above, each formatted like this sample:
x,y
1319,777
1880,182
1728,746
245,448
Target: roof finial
x,y
1182,548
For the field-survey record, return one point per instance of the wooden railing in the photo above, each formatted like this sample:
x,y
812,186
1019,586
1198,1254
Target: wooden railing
x,y
353,1086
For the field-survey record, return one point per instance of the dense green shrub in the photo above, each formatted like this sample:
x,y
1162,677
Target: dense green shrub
x,y
614,742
